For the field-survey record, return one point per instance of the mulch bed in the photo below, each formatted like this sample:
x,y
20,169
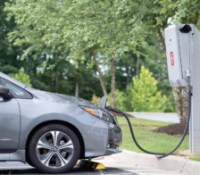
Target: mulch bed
x,y
173,129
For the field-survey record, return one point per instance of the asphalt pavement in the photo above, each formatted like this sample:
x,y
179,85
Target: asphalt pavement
x,y
118,164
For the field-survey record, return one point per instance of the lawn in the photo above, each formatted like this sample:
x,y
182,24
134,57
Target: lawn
x,y
195,158
147,138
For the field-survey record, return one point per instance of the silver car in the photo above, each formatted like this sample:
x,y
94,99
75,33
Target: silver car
x,y
52,131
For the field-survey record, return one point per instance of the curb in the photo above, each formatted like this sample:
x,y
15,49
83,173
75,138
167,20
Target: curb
x,y
171,163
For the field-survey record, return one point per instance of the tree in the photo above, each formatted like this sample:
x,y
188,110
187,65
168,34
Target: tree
x,y
8,53
187,12
104,34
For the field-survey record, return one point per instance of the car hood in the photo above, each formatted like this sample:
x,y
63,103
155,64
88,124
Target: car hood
x,y
59,98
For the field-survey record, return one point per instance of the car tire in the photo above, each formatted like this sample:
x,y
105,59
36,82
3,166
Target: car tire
x,y
54,149
28,161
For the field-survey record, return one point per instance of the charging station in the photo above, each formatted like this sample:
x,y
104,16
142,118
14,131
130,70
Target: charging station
x,y
183,61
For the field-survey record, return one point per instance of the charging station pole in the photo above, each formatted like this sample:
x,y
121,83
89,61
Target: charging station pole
x,y
194,131
183,60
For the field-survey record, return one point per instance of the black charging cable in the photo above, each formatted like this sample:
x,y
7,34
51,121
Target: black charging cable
x,y
159,155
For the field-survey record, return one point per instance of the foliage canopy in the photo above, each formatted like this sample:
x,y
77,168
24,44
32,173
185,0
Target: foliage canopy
x,y
56,41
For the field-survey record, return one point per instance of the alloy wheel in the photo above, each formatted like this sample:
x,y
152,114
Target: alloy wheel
x,y
55,149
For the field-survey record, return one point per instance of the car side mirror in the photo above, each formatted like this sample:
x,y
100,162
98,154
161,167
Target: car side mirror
x,y
4,92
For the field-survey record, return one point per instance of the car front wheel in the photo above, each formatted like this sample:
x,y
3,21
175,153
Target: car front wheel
x,y
54,149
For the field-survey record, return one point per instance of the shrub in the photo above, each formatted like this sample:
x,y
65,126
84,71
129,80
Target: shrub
x,y
145,95
96,100
22,76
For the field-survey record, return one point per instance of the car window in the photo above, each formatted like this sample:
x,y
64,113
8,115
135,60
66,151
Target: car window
x,y
15,90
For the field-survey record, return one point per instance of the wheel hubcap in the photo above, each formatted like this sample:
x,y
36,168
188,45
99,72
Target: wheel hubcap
x,y
54,149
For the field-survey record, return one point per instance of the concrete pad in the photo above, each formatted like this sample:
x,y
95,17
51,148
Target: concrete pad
x,y
192,167
173,164
143,164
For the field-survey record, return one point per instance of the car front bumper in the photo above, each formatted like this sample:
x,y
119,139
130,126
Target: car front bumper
x,y
114,139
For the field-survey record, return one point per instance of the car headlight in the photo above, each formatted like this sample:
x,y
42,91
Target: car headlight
x,y
92,111
98,113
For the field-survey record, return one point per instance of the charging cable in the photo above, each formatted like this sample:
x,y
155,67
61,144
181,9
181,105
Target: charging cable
x,y
159,155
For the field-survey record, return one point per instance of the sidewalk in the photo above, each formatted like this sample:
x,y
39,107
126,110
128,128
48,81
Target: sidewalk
x,y
157,116
170,165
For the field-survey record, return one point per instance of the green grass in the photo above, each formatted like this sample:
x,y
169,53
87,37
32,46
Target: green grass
x,y
147,138
195,158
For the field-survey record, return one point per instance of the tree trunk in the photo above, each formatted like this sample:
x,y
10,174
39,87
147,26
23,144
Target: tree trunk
x,y
127,75
138,65
102,82
56,81
113,82
181,101
76,90
161,38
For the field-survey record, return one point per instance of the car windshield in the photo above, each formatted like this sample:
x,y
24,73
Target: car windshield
x,y
12,80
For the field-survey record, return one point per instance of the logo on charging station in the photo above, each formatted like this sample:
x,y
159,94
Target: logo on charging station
x,y
171,54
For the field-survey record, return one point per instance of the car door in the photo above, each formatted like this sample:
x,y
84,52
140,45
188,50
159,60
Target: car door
x,y
9,122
